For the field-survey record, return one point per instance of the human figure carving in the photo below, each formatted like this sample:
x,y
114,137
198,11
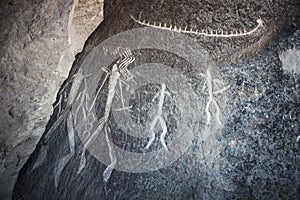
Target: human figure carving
x,y
159,119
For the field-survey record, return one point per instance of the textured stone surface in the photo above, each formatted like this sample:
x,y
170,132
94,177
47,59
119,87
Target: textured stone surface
x,y
87,16
254,154
290,61
36,55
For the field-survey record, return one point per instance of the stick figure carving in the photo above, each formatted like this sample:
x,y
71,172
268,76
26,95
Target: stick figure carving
x,y
159,118
113,76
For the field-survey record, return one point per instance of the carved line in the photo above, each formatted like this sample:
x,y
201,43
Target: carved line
x,y
118,69
210,83
108,171
207,33
159,118
64,161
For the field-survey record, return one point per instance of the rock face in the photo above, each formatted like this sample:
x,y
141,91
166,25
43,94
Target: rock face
x,y
38,48
156,114
290,59
87,16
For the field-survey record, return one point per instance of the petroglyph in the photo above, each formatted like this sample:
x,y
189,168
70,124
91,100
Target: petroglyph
x,y
159,119
118,70
224,34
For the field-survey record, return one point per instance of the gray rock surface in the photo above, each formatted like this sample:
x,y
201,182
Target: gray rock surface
x,y
36,55
248,149
86,17
290,61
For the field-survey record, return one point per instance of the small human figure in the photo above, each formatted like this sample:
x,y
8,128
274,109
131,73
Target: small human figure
x,y
159,119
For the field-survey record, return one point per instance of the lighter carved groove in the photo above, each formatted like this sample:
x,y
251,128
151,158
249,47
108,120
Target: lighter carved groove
x,y
224,34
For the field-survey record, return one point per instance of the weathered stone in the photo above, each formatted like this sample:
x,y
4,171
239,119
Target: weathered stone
x,y
87,16
251,152
36,55
290,61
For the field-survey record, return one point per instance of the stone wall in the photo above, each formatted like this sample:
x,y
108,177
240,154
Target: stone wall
x,y
232,103
39,41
